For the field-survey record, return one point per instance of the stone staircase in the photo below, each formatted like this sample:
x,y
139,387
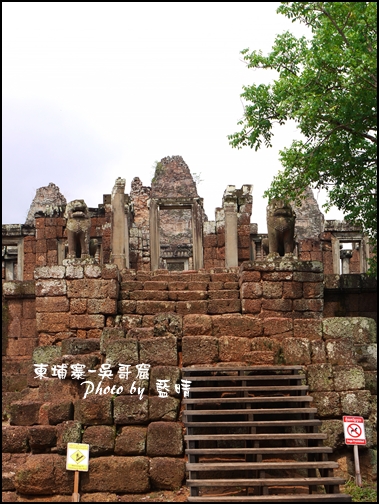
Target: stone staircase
x,y
251,435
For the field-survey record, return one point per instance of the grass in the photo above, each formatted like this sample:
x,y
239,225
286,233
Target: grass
x,y
366,493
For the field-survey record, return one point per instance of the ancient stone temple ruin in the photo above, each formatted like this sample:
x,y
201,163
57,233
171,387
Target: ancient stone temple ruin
x,y
149,332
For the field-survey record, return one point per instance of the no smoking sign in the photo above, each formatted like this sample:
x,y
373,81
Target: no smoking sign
x,y
354,429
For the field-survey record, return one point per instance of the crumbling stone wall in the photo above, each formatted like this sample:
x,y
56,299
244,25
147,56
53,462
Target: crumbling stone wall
x,y
265,312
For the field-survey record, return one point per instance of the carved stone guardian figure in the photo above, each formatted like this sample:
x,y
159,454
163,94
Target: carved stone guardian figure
x,y
280,227
78,229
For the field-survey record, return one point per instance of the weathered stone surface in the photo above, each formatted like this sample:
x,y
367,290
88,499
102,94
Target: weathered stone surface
x,y
104,475
367,356
168,323
335,433
296,351
130,409
75,346
348,378
52,304
94,411
110,334
167,473
24,412
131,440
232,348
340,352
159,351
68,432
163,408
101,439
52,322
47,201
277,325
164,439
356,402
199,350
318,354
320,377
42,437
170,373
237,325
359,329
44,272
195,325
371,382
123,351
46,354
14,439
10,464
327,403
19,289
50,287
59,412
259,358
44,474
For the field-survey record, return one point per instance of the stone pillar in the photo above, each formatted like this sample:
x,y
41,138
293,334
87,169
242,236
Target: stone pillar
x,y
231,240
119,223
197,237
154,235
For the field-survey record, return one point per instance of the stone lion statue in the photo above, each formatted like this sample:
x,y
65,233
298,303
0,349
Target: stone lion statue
x,y
280,227
78,229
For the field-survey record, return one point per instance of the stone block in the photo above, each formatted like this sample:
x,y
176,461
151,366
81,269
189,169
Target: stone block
x,y
163,408
59,412
191,307
306,305
52,322
131,409
44,474
149,296
313,290
14,439
257,358
110,334
104,475
50,287
292,290
371,382
219,306
110,271
251,306
168,324
108,306
92,271
199,350
68,432
131,440
277,325
86,321
327,404
367,356
42,437
74,272
187,295
101,439
126,306
167,473
356,402
194,325
232,348
284,305
360,329
296,351
307,328
170,373
124,351
237,325
154,307
75,346
251,290
29,308
340,352
159,351
318,353
164,439
348,378
52,304
320,377
45,272
249,276
96,411
272,290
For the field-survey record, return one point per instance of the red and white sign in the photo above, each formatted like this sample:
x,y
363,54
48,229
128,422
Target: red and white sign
x,y
354,429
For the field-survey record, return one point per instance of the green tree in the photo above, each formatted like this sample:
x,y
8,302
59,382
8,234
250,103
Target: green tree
x,y
327,84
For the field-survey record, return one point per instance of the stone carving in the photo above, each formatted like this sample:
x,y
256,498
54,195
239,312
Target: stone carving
x,y
280,227
78,229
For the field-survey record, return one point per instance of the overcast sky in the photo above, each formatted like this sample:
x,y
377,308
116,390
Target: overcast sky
x,y
94,91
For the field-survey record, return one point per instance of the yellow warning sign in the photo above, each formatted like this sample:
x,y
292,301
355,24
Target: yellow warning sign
x,y
77,457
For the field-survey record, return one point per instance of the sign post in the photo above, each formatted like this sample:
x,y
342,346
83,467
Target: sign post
x,y
77,460
354,429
